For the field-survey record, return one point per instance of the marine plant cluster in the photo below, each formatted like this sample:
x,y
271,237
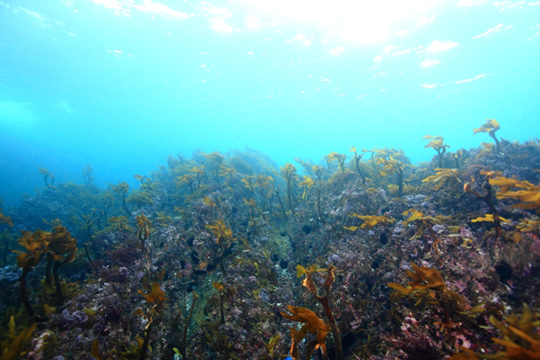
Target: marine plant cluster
x,y
360,255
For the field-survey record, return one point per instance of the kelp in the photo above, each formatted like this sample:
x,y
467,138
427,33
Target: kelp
x,y
337,157
529,195
288,171
427,223
36,247
223,237
307,183
390,163
437,144
216,161
5,219
313,324
427,285
122,188
487,197
422,278
62,249
13,348
490,126
272,343
156,298
489,218
322,294
87,174
48,178
443,178
356,159
369,221
144,226
520,338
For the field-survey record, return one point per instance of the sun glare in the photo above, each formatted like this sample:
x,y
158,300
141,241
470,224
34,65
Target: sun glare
x,y
351,21
334,23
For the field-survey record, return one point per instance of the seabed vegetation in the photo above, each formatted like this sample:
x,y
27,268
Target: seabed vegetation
x,y
361,255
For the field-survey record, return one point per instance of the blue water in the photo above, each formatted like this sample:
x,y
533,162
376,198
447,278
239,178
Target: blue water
x,y
123,84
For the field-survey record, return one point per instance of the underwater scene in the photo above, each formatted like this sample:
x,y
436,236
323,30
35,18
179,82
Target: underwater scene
x,y
255,179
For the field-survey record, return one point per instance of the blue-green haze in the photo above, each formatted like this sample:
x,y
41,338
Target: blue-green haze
x,y
122,84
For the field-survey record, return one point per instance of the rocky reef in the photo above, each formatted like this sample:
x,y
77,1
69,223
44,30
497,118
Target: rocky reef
x,y
357,256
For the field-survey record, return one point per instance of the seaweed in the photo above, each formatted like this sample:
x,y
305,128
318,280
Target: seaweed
x,y
390,161
339,158
48,178
156,298
519,338
428,285
216,161
487,198
61,249
144,227
529,195
36,247
356,159
313,324
490,126
122,188
288,171
443,178
12,349
370,221
87,174
437,144
427,223
224,238
231,228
